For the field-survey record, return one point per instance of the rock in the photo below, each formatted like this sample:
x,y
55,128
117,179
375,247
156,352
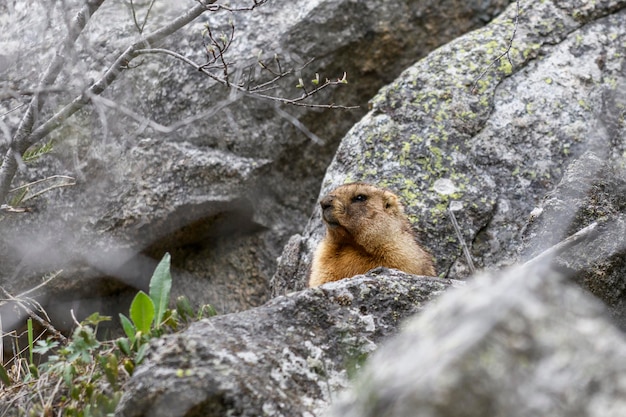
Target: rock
x,y
488,134
218,179
591,192
522,342
285,358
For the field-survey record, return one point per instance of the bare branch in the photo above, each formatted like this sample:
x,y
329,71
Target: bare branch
x,y
459,235
299,125
22,139
146,122
26,136
141,27
25,304
298,101
216,7
583,234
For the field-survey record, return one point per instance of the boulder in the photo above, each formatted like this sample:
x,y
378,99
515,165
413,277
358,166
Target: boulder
x,y
590,195
522,342
286,358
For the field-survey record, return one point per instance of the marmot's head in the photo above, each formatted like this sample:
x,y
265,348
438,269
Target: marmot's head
x,y
360,209
366,227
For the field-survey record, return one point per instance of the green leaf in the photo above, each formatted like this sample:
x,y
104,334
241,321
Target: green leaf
x,y
43,346
110,365
82,344
34,152
206,310
95,319
142,312
141,353
128,327
183,307
69,371
32,368
19,197
160,286
4,376
123,344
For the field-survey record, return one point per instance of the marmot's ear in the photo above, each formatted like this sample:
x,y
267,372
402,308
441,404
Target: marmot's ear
x,y
390,202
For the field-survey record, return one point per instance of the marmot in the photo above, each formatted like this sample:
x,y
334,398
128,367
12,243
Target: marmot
x,y
365,227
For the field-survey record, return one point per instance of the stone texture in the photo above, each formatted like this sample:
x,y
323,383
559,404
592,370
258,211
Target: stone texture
x,y
591,192
285,358
522,342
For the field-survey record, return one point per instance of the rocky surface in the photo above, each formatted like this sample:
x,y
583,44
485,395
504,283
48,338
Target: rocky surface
x,y
286,358
179,164
483,136
522,342
591,192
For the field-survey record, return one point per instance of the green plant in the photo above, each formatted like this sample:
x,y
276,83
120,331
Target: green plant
x,y
84,376
147,314
36,151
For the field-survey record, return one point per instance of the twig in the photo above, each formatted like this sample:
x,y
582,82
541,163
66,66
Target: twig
x,y
43,284
268,85
13,109
216,7
30,184
459,235
141,27
582,234
24,139
146,122
46,324
505,53
76,322
299,125
298,101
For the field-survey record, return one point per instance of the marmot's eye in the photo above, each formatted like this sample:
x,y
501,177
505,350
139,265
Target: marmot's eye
x,y
359,197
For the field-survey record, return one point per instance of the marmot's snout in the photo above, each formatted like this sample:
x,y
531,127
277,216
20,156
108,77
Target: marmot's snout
x,y
328,208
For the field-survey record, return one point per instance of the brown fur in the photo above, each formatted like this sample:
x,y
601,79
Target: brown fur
x,y
365,227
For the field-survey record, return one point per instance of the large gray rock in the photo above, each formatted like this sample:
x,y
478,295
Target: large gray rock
x,y
486,137
520,343
592,192
286,358
225,189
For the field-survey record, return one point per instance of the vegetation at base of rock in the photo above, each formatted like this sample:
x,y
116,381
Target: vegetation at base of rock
x,y
83,376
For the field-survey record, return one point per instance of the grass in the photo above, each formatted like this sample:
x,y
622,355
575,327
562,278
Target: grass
x,y
81,375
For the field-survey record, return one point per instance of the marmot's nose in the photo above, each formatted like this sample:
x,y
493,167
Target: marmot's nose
x,y
327,202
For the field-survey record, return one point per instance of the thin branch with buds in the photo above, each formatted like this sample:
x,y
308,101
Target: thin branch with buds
x,y
297,101
220,45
